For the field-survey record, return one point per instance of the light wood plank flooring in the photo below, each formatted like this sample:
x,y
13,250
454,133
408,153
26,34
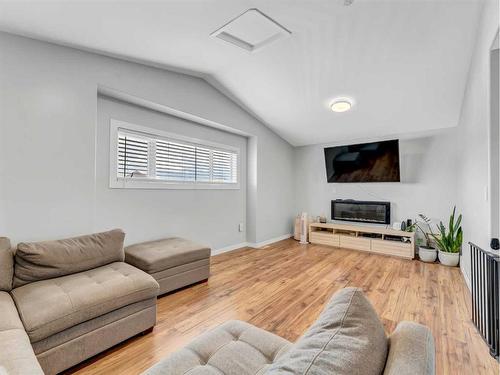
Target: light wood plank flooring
x,y
283,288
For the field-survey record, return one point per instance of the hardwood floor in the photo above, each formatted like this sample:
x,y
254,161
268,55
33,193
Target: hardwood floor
x,y
283,288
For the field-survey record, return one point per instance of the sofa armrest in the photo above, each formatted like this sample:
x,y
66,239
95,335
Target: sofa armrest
x,y
411,351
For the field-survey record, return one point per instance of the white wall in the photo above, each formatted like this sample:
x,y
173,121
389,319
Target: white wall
x,y
473,139
428,179
50,187
451,167
152,213
495,142
50,183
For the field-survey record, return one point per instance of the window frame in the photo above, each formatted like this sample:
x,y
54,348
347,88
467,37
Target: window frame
x,y
116,182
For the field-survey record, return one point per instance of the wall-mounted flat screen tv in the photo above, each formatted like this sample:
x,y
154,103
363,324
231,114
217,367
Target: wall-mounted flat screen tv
x,y
364,162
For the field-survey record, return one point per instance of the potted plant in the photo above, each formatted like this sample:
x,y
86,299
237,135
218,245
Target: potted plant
x,y
449,241
426,252
410,229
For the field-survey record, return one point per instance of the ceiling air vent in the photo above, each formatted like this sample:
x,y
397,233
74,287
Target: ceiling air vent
x,y
251,30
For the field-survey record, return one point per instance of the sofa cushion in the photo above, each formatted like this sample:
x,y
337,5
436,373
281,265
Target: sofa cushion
x,y
48,259
159,255
6,264
347,338
50,306
411,351
233,348
16,354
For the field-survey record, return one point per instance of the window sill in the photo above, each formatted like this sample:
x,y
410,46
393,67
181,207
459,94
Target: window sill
x,y
155,184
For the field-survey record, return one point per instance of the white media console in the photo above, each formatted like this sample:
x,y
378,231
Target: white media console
x,y
366,238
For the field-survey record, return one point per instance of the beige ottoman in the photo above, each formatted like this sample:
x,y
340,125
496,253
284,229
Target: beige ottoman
x,y
173,262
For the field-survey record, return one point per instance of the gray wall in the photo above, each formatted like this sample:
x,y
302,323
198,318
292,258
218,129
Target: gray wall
x,y
448,168
473,140
495,142
150,213
50,156
50,182
428,179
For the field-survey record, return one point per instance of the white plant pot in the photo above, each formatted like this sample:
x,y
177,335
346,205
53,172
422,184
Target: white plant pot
x,y
449,259
427,255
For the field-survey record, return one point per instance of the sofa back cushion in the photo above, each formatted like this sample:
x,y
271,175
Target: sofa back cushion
x,y
6,264
347,338
48,259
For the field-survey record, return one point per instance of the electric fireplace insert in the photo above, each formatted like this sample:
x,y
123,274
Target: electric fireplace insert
x,y
361,211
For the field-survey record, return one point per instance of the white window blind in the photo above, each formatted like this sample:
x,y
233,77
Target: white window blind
x,y
156,158
133,157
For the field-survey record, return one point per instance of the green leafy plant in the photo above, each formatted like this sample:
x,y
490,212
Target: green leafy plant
x,y
426,241
450,241
410,228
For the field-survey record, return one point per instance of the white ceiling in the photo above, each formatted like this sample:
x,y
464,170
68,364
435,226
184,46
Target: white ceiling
x,y
404,62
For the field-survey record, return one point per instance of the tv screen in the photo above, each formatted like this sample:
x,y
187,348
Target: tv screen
x,y
365,162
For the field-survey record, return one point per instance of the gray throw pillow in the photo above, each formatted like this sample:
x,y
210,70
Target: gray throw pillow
x,y
348,338
48,259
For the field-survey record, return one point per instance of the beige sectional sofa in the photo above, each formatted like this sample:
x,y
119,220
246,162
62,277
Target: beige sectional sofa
x,y
347,338
74,297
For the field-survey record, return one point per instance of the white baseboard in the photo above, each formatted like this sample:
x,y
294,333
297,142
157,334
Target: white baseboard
x,y
255,245
229,248
466,278
258,245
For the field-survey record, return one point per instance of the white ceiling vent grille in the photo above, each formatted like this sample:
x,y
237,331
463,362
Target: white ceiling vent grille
x,y
251,30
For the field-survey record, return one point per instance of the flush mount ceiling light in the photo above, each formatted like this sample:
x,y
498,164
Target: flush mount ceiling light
x,y
251,30
341,105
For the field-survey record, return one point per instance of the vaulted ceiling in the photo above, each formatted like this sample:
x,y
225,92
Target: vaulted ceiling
x,y
404,63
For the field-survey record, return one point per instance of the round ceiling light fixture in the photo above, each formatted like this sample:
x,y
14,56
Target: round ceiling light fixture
x,y
341,105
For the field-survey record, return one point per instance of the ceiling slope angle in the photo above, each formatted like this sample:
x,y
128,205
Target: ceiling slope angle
x,y
251,30
403,64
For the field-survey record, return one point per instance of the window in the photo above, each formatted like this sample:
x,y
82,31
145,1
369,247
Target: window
x,y
149,158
